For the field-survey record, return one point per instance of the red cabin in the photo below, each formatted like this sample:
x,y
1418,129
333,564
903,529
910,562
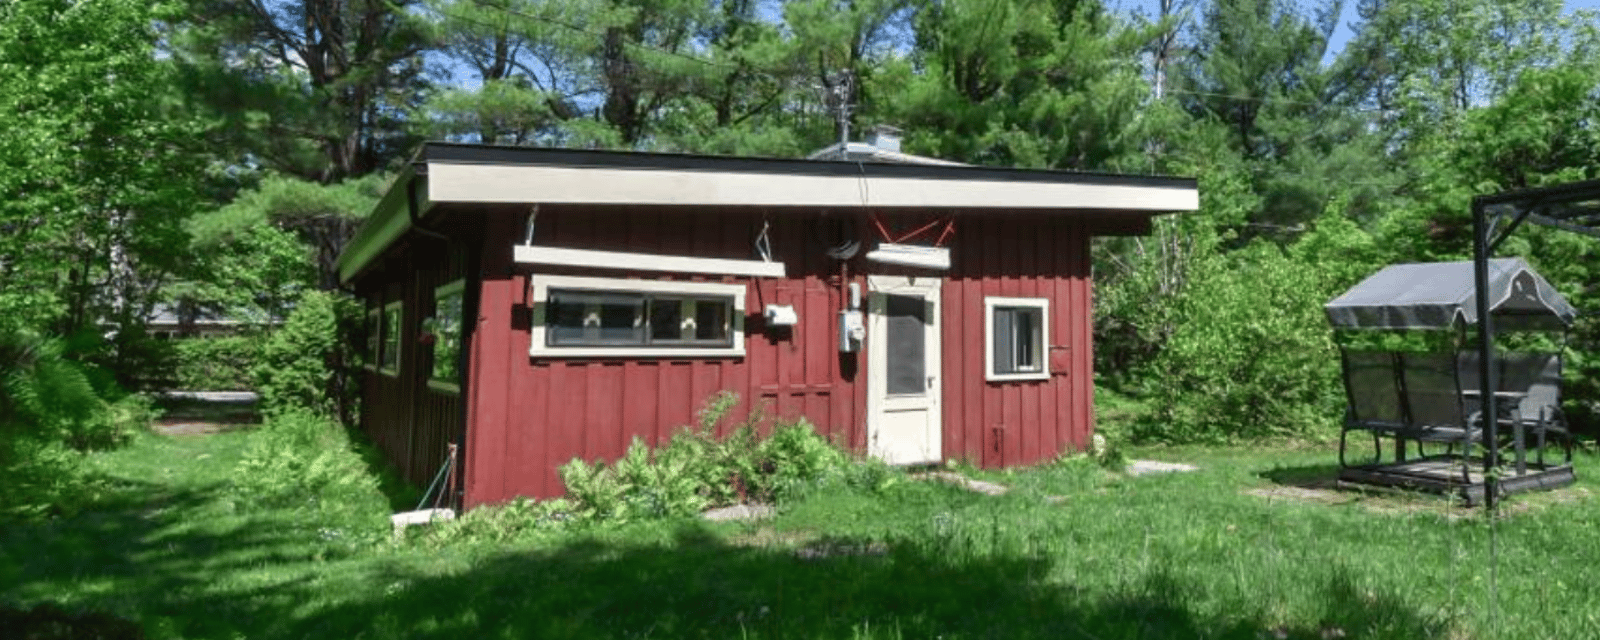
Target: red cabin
x,y
537,305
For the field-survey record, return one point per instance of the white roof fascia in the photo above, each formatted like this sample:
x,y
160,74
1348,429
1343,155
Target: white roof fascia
x,y
467,182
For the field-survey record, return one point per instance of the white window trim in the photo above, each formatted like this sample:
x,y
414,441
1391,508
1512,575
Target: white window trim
x,y
452,288
990,303
541,285
399,343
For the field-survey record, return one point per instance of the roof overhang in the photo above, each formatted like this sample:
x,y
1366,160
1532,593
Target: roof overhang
x,y
470,174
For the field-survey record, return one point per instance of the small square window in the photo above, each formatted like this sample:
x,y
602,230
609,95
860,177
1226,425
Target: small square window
x,y
1015,347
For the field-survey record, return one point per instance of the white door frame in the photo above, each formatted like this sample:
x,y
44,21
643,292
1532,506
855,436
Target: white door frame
x,y
879,403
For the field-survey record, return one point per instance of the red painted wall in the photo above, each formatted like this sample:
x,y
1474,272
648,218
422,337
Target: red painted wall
x,y
527,417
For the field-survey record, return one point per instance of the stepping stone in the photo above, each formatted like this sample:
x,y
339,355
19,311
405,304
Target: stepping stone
x,y
1151,467
740,512
976,486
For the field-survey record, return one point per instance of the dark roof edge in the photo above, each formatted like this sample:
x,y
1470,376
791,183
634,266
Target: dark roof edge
x,y
387,222
486,154
1588,189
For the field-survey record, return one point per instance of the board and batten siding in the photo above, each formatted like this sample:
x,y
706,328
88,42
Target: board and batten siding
x,y
528,416
412,423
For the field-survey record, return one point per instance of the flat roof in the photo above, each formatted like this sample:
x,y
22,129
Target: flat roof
x,y
452,173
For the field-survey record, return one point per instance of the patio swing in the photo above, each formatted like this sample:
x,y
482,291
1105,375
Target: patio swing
x,y
1432,397
1526,384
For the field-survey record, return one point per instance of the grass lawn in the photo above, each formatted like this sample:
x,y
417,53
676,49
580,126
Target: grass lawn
x,y
1070,552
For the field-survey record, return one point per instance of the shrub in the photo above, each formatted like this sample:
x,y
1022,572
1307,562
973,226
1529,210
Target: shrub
x,y
41,478
1254,358
695,469
52,408
307,362
216,364
301,470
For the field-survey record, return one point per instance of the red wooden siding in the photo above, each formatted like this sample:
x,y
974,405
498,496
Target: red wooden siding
x,y
529,416
411,423
1018,422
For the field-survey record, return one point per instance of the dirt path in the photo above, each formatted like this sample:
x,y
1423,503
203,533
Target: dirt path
x,y
195,413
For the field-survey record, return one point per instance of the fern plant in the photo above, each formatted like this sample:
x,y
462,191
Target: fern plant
x,y
43,390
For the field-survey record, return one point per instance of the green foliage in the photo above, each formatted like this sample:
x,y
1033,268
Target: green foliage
x,y
299,457
309,361
1254,357
224,363
56,399
695,470
53,408
89,221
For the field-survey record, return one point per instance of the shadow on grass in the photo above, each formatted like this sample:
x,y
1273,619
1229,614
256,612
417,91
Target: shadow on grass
x,y
699,586
140,556
1311,476
148,552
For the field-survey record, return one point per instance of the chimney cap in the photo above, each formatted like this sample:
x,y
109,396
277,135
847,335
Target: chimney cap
x,y
884,137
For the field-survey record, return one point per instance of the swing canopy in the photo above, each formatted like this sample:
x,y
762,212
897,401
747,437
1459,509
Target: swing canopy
x,y
1441,295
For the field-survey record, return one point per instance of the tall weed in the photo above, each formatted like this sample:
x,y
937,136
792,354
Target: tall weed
x,y
303,463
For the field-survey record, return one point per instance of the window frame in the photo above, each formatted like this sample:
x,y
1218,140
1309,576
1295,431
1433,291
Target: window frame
x,y
373,349
993,304
456,288
539,332
387,329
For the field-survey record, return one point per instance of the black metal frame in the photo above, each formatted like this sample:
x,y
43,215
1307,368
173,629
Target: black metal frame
x,y
1573,207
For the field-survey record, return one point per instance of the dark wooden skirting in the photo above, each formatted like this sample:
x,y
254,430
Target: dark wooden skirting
x,y
1447,475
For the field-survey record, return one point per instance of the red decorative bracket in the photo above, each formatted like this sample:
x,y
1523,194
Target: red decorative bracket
x,y
946,226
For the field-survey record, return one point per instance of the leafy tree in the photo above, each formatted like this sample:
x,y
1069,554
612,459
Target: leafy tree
x,y
256,254
91,212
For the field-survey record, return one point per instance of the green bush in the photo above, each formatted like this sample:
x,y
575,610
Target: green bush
x,y
217,364
695,470
308,362
41,478
1253,359
53,407
300,457
301,471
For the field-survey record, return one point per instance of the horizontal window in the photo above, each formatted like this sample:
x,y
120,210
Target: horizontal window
x,y
580,316
588,318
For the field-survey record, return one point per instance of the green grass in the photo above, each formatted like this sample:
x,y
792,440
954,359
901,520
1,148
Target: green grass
x,y
1071,552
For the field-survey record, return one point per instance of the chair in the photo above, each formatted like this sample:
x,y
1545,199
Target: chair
x,y
1436,410
1537,377
1373,394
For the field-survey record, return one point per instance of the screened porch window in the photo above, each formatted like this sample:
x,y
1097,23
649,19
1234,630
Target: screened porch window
x,y
1015,344
595,318
619,317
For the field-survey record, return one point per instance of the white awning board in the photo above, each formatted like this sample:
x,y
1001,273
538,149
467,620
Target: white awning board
x,y
628,261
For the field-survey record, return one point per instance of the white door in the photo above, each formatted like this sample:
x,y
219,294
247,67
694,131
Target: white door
x,y
903,421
